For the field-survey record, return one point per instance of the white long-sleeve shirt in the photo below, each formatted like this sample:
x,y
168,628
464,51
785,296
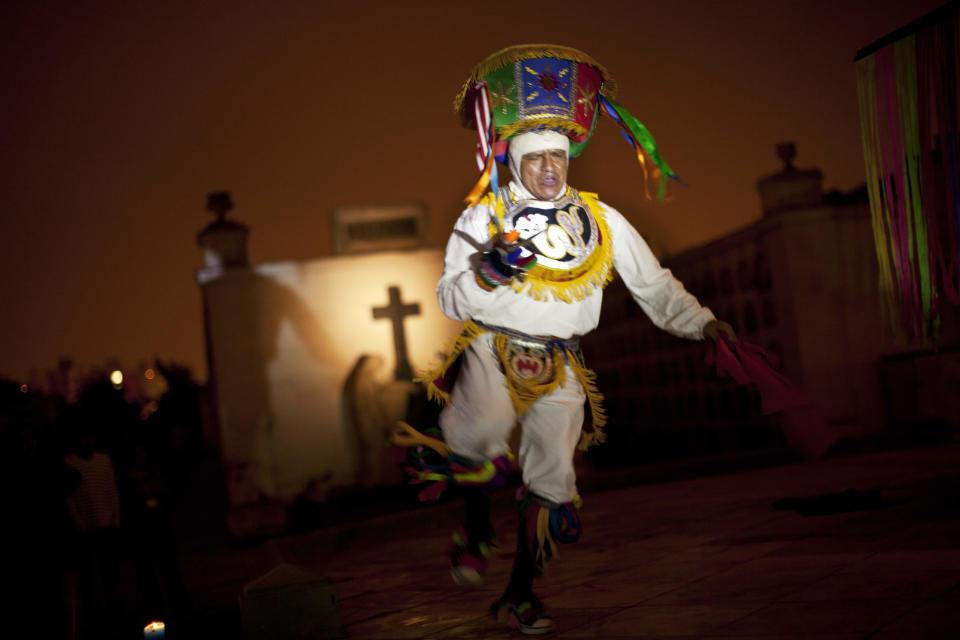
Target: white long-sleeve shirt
x,y
661,296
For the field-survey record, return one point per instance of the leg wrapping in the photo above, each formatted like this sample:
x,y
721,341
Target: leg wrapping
x,y
545,523
431,461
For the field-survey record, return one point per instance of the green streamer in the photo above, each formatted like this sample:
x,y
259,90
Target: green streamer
x,y
645,139
905,52
879,211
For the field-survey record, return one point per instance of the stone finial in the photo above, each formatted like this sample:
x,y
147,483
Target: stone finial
x,y
790,188
224,242
219,203
787,151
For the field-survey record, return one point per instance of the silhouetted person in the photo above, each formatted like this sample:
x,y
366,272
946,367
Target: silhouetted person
x,y
95,508
34,484
148,531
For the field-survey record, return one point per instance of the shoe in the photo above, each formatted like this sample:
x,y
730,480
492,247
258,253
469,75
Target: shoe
x,y
466,568
529,616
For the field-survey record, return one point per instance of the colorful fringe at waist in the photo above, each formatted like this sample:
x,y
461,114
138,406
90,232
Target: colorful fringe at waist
x,y
523,393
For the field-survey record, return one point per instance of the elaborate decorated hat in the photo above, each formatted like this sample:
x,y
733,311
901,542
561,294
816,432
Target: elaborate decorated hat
x,y
533,87
539,86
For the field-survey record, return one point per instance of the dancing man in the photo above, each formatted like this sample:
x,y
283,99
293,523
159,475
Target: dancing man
x,y
525,270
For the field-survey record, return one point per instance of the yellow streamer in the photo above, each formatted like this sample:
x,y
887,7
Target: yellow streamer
x,y
406,436
880,215
544,537
475,194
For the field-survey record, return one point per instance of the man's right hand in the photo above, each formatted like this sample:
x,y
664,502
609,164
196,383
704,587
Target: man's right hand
x,y
502,263
713,328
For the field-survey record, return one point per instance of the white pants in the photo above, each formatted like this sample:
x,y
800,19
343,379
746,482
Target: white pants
x,y
479,418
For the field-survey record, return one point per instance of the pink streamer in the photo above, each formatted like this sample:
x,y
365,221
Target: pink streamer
x,y
895,178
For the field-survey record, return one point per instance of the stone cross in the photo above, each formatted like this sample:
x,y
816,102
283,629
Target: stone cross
x,y
396,311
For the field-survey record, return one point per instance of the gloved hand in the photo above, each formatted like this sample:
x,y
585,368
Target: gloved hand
x,y
713,328
502,263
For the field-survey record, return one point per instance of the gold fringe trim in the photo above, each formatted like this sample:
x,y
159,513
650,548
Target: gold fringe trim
x,y
588,379
521,396
561,125
509,55
457,346
572,285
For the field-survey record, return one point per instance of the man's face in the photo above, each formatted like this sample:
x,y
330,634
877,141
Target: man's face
x,y
544,173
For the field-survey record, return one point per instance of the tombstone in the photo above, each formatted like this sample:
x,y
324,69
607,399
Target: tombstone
x,y
290,602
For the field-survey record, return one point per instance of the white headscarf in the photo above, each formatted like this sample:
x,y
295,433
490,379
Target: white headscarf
x,y
528,143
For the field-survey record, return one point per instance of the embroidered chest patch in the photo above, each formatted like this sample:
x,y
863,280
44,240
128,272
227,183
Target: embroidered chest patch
x,y
571,242
564,235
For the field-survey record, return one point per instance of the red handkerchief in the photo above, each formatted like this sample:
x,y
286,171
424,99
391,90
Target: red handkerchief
x,y
748,363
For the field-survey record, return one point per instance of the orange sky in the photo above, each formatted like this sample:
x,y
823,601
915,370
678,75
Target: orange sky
x,y
119,117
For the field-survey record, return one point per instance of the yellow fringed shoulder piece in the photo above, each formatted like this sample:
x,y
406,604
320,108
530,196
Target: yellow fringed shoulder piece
x,y
516,53
457,346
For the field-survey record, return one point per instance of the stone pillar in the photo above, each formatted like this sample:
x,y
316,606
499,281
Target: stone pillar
x,y
237,372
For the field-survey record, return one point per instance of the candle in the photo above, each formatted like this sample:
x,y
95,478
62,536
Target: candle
x,y
154,631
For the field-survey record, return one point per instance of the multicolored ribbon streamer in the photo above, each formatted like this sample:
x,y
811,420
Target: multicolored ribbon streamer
x,y
643,143
486,138
911,147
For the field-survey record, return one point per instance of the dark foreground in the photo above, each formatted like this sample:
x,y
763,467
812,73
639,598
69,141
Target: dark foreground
x,y
865,546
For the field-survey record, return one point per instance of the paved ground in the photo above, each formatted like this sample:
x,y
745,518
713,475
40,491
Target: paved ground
x,y
709,557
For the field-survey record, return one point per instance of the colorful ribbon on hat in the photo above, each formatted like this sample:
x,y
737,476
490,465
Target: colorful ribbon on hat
x,y
642,141
631,129
486,136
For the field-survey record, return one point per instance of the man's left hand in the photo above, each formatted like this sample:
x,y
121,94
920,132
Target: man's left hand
x,y
713,328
